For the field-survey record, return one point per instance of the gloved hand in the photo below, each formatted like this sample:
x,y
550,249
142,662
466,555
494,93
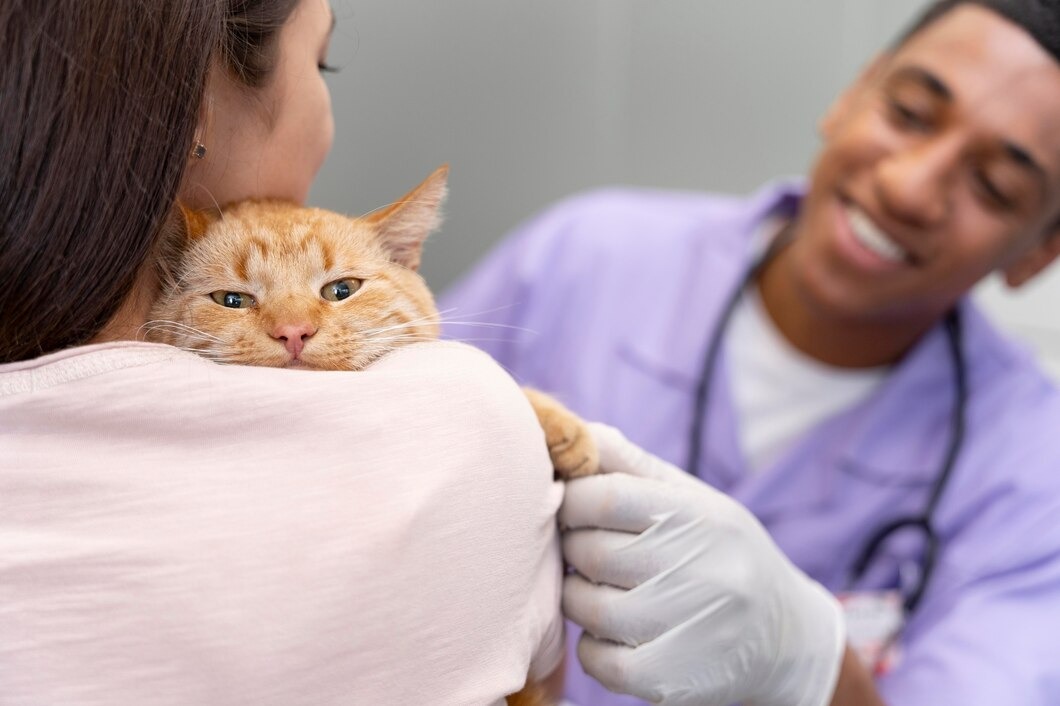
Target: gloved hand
x,y
684,597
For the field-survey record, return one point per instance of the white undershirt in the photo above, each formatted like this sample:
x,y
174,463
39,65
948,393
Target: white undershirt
x,y
781,394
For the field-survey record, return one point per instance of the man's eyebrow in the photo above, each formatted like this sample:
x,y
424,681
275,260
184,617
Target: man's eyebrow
x,y
1019,156
926,79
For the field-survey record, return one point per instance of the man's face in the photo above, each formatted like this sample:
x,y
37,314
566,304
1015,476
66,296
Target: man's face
x,y
940,165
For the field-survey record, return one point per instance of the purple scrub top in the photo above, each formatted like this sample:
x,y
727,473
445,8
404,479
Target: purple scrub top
x,y
612,298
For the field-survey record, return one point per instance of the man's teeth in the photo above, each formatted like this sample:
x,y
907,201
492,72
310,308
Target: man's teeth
x,y
868,234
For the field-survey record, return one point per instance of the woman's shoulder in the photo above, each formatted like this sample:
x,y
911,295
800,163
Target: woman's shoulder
x,y
82,363
445,362
443,382
443,409
150,366
443,397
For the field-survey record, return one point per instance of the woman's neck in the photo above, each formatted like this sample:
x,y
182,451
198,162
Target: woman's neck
x,y
833,340
127,323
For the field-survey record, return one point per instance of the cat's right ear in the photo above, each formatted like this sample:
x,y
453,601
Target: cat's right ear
x,y
193,224
404,225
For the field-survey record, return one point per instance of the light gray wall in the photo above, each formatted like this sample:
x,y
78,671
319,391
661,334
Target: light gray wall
x,y
531,100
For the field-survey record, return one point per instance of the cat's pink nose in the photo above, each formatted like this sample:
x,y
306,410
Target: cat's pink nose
x,y
293,336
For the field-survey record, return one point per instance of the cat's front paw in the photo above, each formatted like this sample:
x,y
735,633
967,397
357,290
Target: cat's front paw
x,y
570,445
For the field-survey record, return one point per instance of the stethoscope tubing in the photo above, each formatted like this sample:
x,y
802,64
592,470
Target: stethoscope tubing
x,y
922,522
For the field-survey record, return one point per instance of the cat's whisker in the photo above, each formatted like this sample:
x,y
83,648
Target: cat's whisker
x,y
472,318
430,318
411,335
411,327
180,329
470,314
194,347
171,322
184,335
401,339
482,340
387,329
486,324
374,333
200,346
214,356
394,333
471,341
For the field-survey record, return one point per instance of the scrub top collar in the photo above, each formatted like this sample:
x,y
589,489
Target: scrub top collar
x,y
674,340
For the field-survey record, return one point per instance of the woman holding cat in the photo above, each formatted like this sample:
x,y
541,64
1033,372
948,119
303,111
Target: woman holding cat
x,y
178,532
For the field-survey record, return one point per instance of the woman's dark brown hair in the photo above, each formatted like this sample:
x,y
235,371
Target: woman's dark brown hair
x,y
99,102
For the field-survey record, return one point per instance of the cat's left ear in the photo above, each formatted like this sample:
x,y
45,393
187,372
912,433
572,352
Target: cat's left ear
x,y
404,225
195,223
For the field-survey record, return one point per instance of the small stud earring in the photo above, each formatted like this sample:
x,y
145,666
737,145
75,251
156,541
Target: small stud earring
x,y
199,151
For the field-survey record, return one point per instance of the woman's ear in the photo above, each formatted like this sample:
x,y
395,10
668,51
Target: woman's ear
x,y
403,226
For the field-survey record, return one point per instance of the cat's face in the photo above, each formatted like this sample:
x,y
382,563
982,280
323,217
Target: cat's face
x,y
278,285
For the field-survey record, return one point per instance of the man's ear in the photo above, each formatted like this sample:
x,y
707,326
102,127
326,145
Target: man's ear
x,y
404,225
1037,259
845,101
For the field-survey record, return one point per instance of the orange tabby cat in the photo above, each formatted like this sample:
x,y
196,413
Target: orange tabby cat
x,y
274,284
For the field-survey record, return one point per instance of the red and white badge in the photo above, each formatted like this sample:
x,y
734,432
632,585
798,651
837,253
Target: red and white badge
x,y
874,619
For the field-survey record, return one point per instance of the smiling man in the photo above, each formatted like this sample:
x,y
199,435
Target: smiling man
x,y
810,352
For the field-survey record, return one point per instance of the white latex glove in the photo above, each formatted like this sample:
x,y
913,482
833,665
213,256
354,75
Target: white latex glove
x,y
684,597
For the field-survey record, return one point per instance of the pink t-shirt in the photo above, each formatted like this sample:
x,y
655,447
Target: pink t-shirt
x,y
178,532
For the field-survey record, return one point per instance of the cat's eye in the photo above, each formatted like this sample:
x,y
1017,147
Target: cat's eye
x,y
233,300
340,289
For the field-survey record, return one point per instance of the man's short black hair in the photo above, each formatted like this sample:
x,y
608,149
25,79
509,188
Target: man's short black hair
x,y
1039,18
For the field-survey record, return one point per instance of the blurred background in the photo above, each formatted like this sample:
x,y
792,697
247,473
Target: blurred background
x,y
533,100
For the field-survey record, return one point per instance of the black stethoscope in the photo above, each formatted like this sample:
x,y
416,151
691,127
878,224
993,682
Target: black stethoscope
x,y
916,575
